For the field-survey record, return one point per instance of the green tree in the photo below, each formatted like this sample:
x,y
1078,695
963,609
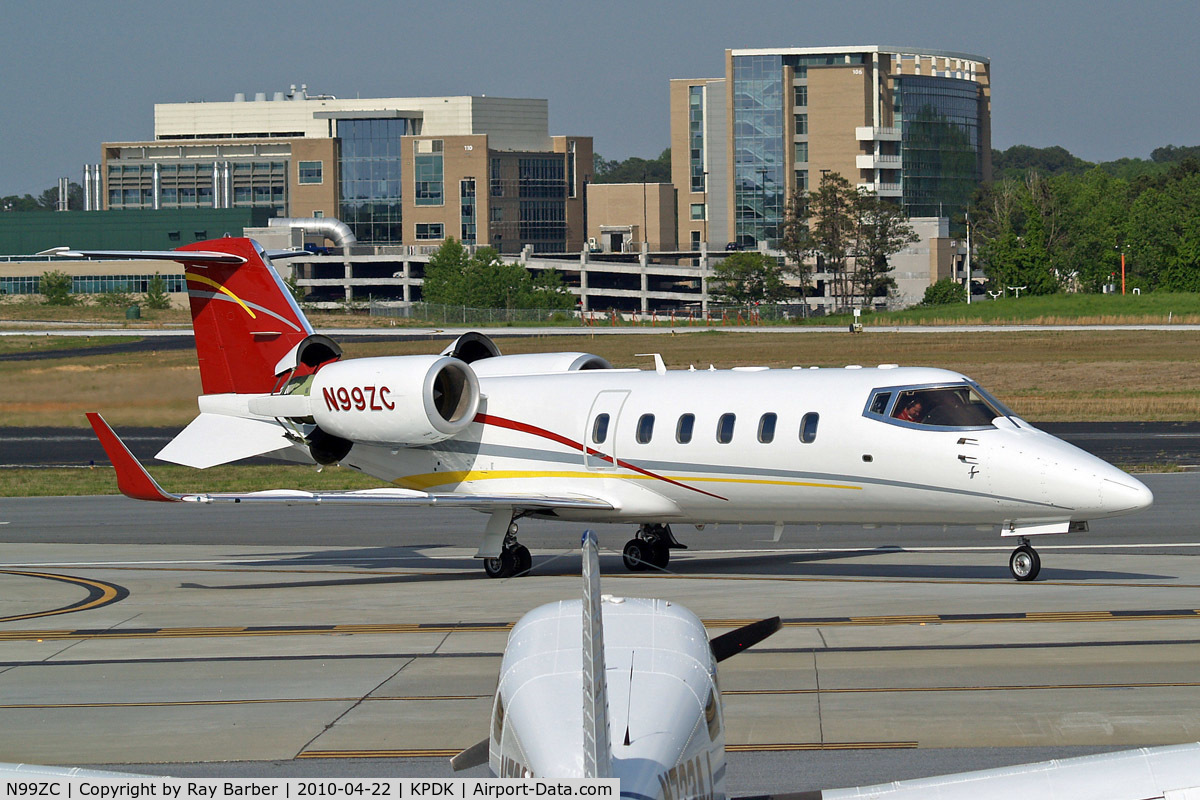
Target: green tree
x,y
485,280
944,292
1016,161
796,239
445,275
1019,234
633,169
156,293
828,231
549,290
745,278
56,286
1162,232
881,231
1095,206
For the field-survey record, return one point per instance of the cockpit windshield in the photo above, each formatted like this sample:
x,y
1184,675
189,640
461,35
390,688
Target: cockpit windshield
x,y
944,406
957,405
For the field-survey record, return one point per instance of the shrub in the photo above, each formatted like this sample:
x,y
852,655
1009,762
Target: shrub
x,y
56,286
156,293
944,292
114,298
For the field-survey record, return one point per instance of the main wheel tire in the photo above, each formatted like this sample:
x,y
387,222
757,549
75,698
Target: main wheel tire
x,y
524,561
502,567
1024,563
661,554
636,555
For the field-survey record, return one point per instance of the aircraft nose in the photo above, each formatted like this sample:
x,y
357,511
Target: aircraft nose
x,y
1124,495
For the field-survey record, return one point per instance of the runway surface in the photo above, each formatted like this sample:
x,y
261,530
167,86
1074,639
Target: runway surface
x,y
367,641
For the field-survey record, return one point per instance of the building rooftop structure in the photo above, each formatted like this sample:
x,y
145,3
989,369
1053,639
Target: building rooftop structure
x,y
397,170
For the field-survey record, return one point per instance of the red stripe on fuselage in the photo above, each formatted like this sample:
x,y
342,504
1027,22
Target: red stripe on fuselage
x,y
534,430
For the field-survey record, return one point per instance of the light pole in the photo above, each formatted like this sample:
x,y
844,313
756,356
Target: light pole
x,y
967,215
762,190
704,222
645,247
1122,249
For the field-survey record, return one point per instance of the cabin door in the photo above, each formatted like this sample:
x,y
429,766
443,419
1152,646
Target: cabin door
x,y
600,435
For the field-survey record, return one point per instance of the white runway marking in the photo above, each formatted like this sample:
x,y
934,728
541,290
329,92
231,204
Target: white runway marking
x,y
946,549
466,554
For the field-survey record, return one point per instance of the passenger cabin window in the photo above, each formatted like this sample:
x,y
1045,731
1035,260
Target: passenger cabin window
x,y
946,407
600,429
725,428
645,428
683,431
766,428
808,427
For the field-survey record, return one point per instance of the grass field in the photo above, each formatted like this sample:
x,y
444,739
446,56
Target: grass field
x,y
1058,309
46,344
1063,375
53,482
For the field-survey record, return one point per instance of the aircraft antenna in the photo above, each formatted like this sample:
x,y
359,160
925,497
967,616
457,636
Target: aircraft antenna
x,y
597,749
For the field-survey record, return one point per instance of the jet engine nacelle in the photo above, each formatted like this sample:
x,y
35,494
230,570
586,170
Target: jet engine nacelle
x,y
404,400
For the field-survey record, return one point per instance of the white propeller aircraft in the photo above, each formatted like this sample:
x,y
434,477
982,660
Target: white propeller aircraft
x,y
565,436
647,676
607,687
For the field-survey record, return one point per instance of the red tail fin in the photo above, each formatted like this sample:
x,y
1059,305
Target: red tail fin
x,y
245,318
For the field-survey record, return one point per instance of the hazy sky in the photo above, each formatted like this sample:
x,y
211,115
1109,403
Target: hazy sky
x,y
1103,79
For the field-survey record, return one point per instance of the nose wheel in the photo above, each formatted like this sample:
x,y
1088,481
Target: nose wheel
x,y
1024,563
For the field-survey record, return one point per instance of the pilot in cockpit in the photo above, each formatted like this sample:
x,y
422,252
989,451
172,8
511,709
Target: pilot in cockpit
x,y
913,410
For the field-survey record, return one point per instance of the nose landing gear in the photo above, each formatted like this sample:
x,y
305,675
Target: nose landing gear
x,y
1024,563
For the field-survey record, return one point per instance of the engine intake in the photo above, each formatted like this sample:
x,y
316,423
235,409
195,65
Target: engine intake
x,y
403,400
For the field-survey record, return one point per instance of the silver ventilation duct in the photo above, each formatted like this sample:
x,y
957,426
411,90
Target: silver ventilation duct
x,y
331,228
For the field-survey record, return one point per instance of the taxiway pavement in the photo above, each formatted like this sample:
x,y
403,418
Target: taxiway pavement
x,y
294,639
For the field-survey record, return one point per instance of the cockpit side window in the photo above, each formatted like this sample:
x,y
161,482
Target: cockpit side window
x,y
879,402
945,407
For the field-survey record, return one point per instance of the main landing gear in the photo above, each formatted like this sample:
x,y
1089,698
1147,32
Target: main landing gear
x,y
650,548
514,557
1024,563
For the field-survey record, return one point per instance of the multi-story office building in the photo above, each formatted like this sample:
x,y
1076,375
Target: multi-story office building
x,y
396,170
910,124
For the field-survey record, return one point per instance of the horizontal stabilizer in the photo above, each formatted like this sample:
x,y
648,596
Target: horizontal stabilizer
x,y
213,439
474,756
198,257
734,642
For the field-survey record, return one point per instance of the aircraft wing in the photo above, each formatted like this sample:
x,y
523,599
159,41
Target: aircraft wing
x,y
134,481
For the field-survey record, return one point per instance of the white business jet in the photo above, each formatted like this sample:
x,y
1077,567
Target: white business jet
x,y
608,687
565,436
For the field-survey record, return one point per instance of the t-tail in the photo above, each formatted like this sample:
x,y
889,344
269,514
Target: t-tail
x,y
245,318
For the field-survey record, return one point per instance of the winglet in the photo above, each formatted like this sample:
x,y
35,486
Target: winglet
x,y
597,750
132,478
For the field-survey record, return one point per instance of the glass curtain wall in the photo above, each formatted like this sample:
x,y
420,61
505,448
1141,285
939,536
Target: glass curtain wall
x,y
696,137
370,186
542,186
758,141
943,162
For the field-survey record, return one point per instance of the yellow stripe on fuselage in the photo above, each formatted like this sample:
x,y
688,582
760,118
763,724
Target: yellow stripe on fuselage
x,y
431,480
191,276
